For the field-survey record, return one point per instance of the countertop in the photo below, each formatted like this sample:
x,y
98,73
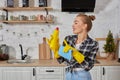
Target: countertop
x,y
54,63
104,62
35,63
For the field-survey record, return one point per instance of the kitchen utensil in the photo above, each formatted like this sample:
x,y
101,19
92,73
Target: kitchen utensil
x,y
44,50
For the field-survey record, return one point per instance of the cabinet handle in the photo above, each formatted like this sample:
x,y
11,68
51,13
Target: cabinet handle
x,y
49,70
103,71
34,71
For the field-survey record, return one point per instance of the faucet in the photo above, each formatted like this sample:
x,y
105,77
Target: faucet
x,y
22,56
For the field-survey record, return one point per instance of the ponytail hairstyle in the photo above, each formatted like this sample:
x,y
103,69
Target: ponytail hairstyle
x,y
87,20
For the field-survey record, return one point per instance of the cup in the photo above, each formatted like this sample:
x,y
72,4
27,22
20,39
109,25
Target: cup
x,y
49,17
40,18
21,17
2,17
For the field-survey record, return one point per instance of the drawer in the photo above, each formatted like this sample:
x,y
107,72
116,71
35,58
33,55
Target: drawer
x,y
49,70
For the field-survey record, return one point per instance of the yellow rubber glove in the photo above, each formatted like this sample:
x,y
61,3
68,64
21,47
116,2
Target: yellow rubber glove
x,y
56,55
67,47
79,57
53,42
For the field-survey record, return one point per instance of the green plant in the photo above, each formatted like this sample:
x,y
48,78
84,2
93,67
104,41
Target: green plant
x,y
109,47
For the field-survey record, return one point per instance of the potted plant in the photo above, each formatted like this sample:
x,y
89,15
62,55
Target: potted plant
x,y
110,47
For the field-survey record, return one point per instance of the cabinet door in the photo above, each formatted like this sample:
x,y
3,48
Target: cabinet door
x,y
17,73
95,73
111,73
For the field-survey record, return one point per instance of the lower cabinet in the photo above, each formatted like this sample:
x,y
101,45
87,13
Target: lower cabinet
x,y
50,73
55,73
95,73
32,73
17,73
105,73
110,72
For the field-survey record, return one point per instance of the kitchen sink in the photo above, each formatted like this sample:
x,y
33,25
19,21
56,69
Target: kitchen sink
x,y
19,61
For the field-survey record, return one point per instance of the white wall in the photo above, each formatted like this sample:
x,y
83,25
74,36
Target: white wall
x,y
107,14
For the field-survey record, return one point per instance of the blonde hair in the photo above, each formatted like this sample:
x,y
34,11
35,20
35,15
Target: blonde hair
x,y
87,20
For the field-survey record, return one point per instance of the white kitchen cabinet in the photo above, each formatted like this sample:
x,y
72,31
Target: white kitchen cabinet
x,y
17,73
105,73
50,73
95,73
55,73
110,72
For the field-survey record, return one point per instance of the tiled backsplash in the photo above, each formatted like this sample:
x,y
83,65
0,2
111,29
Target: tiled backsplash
x,y
30,35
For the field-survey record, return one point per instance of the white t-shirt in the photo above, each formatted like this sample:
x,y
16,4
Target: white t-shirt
x,y
77,45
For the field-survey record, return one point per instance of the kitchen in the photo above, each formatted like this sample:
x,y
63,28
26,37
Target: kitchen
x,y
30,35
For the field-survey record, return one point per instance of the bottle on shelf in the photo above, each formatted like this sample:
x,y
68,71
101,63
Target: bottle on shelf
x,y
42,3
31,3
45,2
25,3
10,3
16,3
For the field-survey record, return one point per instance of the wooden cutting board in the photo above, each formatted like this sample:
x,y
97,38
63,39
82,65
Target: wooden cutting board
x,y
44,50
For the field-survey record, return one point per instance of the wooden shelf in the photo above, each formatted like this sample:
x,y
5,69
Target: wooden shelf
x,y
7,9
100,39
15,22
26,8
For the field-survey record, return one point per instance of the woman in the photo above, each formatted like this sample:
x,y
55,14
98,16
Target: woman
x,y
85,45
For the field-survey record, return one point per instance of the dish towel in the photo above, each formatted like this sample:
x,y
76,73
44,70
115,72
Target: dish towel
x,y
66,55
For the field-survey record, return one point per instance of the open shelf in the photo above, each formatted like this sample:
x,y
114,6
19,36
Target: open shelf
x,y
29,21
103,39
26,8
8,9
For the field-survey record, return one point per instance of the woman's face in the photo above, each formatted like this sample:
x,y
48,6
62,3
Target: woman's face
x,y
78,26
